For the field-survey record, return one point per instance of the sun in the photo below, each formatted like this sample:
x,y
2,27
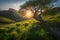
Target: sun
x,y
28,14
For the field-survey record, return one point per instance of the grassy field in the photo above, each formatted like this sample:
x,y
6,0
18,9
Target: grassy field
x,y
4,20
29,29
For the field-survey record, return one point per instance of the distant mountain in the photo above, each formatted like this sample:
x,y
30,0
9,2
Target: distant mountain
x,y
11,14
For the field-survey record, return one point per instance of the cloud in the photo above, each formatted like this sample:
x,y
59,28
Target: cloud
x,y
11,5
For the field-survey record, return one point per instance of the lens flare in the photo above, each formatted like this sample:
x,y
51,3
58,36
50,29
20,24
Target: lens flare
x,y
29,14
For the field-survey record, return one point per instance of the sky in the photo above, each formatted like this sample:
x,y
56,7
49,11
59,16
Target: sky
x,y
57,3
15,4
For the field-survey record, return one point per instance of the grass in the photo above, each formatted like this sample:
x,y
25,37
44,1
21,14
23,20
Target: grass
x,y
22,30
6,20
52,18
28,29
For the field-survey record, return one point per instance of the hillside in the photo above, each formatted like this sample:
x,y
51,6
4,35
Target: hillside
x,y
17,30
53,11
32,30
11,14
4,20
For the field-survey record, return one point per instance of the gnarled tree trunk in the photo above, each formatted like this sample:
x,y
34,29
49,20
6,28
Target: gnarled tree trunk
x,y
38,17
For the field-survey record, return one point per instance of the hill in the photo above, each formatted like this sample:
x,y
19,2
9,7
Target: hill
x,y
11,14
52,11
32,30
4,20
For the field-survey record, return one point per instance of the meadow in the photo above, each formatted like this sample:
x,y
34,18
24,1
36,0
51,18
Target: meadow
x,y
31,29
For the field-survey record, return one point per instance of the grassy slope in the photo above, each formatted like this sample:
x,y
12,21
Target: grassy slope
x,y
29,29
6,20
52,17
23,28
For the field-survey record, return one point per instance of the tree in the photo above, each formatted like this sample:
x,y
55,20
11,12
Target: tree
x,y
37,6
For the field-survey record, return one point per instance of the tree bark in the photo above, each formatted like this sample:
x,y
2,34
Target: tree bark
x,y
38,17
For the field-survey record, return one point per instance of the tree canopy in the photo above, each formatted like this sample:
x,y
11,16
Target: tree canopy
x,y
36,5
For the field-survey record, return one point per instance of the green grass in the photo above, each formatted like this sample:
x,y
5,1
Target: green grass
x,y
22,30
28,29
6,20
52,18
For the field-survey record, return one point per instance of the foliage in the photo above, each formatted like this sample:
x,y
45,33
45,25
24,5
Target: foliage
x,y
36,3
36,6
